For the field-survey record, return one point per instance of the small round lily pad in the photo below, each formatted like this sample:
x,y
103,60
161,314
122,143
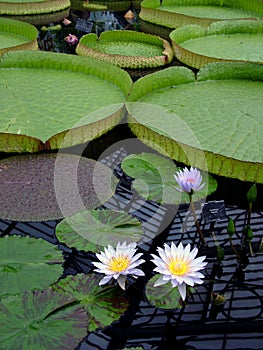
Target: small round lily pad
x,y
127,49
43,320
28,263
102,304
38,187
94,229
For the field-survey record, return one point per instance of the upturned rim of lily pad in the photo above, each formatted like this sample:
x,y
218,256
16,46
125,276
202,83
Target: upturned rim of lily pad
x,y
194,58
217,135
20,29
156,11
113,41
32,7
87,79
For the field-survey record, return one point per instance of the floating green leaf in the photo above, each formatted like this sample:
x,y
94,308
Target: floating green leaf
x,y
17,35
111,5
127,49
37,187
154,179
39,112
163,296
212,122
28,263
92,230
174,14
239,40
103,304
42,320
32,7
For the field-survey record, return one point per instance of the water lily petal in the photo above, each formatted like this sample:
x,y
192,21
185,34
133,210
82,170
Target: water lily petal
x,y
121,281
179,265
182,290
159,282
105,280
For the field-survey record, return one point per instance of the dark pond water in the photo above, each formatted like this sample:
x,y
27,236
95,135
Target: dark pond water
x,y
235,324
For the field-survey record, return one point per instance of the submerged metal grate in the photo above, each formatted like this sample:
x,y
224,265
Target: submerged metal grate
x,y
236,324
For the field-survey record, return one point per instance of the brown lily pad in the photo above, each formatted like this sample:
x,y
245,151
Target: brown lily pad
x,y
39,187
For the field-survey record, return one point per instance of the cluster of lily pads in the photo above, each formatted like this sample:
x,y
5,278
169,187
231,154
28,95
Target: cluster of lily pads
x,y
32,270
39,305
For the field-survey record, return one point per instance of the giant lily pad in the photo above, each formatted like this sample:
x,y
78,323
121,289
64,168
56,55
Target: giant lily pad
x,y
17,35
240,40
154,179
52,100
213,122
127,49
35,11
177,13
94,229
112,5
38,187
28,263
103,304
43,320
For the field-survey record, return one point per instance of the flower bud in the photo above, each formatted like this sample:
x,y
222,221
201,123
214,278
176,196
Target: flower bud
x,y
252,194
231,227
220,253
249,233
217,298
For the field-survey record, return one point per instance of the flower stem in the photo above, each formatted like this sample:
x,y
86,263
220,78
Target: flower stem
x,y
196,220
235,251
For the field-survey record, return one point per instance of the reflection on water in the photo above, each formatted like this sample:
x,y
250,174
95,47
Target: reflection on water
x,y
79,23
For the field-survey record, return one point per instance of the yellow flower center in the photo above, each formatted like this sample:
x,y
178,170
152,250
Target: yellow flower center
x,y
119,263
178,267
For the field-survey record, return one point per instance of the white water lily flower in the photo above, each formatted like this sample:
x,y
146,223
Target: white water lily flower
x,y
189,180
118,263
178,265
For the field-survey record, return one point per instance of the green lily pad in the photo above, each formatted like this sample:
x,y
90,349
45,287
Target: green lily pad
x,y
212,122
83,5
177,13
23,7
17,35
51,100
163,296
113,5
42,320
92,230
239,40
36,12
154,179
28,263
38,187
126,49
103,305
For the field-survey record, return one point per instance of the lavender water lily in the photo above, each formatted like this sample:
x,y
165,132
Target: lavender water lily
x,y
190,181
